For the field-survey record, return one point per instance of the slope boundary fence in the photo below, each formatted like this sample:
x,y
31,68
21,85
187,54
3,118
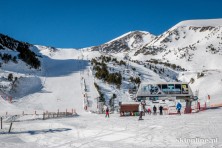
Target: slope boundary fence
x,y
51,115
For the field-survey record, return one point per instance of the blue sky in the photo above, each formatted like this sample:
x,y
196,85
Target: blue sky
x,y
83,23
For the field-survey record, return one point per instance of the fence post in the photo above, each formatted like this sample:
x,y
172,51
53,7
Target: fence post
x,y
43,115
58,113
10,128
66,112
1,122
23,113
198,105
72,110
48,114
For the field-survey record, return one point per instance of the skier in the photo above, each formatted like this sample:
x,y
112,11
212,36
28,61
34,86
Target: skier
x,y
104,108
154,110
178,107
161,109
85,107
140,110
149,111
144,106
107,112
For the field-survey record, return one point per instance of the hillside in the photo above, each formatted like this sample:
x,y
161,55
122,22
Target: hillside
x,y
188,44
17,61
19,50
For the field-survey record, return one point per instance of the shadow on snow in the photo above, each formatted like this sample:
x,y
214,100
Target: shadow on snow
x,y
35,132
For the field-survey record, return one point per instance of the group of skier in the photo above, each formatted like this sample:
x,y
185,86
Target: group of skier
x,y
142,109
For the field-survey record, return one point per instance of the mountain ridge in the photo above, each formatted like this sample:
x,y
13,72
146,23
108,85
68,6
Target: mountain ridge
x,y
184,42
126,42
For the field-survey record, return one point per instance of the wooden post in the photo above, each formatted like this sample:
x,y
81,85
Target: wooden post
x,y
188,106
48,114
23,113
58,113
1,122
10,128
43,115
66,112
72,110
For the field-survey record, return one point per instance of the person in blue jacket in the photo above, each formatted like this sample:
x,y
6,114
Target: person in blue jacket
x,y
178,107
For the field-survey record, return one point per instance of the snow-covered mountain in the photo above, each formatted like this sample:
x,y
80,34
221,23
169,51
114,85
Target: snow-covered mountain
x,y
66,80
193,44
126,42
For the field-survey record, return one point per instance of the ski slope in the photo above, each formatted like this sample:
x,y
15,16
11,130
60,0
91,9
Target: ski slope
x,y
62,88
60,83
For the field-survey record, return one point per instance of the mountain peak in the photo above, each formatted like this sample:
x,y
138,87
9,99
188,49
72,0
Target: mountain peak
x,y
200,23
126,42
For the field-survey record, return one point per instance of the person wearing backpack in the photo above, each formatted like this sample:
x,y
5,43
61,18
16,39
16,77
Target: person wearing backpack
x,y
161,109
141,109
178,107
154,110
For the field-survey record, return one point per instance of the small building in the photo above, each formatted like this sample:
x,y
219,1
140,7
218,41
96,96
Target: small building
x,y
129,109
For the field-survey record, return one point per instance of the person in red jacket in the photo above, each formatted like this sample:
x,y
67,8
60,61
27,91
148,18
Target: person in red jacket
x,y
107,112
149,111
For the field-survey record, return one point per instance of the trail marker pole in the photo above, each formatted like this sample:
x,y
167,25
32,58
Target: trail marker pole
x,y
1,122
10,128
48,114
